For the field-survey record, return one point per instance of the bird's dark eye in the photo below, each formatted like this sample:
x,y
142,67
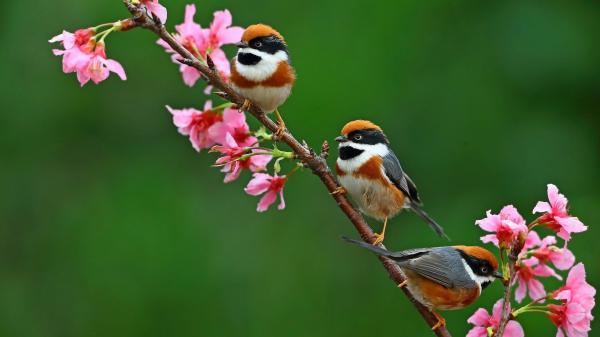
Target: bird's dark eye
x,y
357,137
484,269
257,44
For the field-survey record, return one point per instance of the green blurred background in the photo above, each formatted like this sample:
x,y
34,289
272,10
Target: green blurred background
x,y
111,225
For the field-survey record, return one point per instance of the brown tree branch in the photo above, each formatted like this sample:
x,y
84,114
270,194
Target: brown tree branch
x,y
316,163
513,256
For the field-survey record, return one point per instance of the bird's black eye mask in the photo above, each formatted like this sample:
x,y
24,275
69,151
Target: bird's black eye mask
x,y
268,44
368,136
480,267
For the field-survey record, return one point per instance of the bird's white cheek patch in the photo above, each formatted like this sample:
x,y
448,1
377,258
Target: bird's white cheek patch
x,y
264,68
353,164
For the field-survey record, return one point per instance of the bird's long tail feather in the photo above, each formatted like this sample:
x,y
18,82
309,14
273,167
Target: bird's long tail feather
x,y
434,225
396,256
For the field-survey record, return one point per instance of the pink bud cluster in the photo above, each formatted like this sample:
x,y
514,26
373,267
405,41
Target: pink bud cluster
x,y
539,258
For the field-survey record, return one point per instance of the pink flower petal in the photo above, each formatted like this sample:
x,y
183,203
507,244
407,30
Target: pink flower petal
x,y
221,20
231,35
497,309
542,207
480,317
571,224
490,238
521,290
115,67
562,259
490,223
281,201
477,331
157,9
234,172
267,200
259,184
536,289
513,329
190,75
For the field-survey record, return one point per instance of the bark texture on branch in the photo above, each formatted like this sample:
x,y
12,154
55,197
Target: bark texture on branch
x,y
316,163
513,256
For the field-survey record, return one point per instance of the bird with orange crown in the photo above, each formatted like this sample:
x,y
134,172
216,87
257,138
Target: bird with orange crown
x,y
261,70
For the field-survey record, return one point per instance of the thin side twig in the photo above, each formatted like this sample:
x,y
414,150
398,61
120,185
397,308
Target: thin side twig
x,y
506,314
306,155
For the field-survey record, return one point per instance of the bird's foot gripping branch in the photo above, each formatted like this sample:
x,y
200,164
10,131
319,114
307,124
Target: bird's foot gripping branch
x,y
223,129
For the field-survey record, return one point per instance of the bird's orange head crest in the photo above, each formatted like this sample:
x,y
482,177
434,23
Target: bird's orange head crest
x,y
260,30
359,125
480,253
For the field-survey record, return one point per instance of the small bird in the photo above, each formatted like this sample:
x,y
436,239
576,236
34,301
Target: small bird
x,y
445,278
261,70
369,171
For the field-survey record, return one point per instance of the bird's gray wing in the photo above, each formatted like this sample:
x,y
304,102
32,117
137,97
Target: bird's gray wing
x,y
412,189
394,173
438,266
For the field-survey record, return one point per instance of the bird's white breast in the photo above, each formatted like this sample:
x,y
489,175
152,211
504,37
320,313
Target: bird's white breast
x,y
267,98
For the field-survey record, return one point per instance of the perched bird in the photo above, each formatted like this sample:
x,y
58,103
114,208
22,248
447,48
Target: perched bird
x,y
445,278
369,171
261,70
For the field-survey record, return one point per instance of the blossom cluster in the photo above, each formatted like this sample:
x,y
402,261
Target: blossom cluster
x,y
204,42
222,129
571,305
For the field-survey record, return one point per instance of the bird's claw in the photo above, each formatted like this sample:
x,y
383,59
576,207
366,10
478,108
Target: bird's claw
x,y
339,191
440,323
245,106
280,130
378,239
402,284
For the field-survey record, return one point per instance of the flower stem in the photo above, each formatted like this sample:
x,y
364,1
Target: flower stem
x,y
103,25
104,34
222,107
530,308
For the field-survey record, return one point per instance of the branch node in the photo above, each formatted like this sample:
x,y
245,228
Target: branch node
x,y
325,150
210,63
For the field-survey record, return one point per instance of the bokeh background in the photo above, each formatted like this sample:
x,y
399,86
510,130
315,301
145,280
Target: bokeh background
x,y
111,225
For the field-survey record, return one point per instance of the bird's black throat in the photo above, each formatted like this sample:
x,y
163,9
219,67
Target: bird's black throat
x,y
348,152
248,59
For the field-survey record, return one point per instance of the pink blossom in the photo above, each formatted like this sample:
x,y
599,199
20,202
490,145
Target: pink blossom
x,y
195,124
221,32
86,57
271,186
202,42
157,9
574,315
527,271
190,35
556,215
482,320
233,164
234,123
546,251
507,225
99,67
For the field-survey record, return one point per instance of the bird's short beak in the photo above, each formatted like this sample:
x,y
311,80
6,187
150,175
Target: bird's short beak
x,y
341,139
498,274
241,45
